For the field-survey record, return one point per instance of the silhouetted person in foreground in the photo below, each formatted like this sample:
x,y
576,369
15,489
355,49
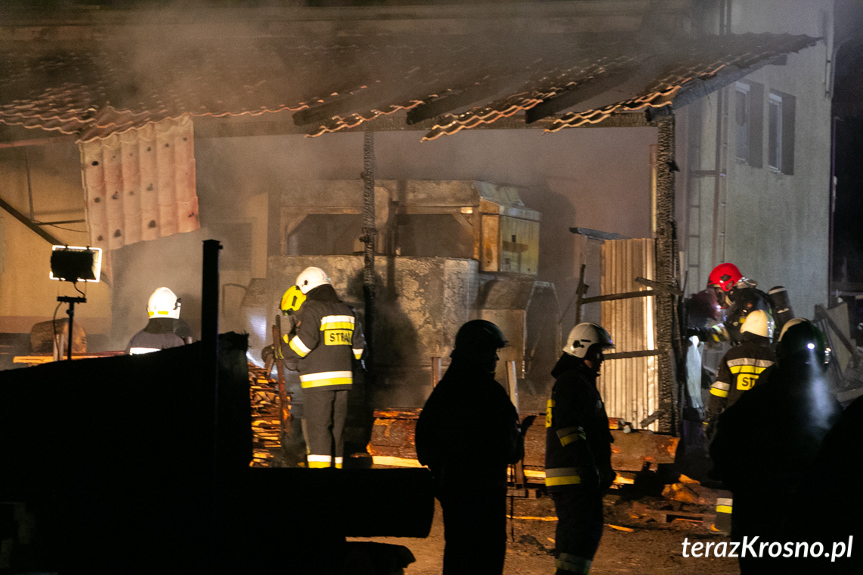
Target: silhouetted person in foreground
x,y
468,434
767,441
830,500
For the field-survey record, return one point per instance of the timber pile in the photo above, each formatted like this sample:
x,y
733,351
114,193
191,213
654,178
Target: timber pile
x,y
392,438
266,430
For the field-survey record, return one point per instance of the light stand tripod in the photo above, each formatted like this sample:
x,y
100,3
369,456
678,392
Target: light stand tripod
x,y
71,313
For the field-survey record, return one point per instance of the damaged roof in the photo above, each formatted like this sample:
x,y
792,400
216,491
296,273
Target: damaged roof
x,y
442,84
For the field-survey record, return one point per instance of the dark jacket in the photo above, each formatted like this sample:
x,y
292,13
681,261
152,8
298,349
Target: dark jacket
x,y
578,441
328,340
765,442
468,431
739,371
159,334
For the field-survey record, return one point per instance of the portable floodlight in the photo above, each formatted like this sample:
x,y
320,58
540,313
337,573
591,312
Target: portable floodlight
x,y
74,264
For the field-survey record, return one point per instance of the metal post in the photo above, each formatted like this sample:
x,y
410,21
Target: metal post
x,y
210,382
210,321
436,371
71,313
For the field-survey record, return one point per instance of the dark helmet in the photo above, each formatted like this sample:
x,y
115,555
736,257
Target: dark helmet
x,y
800,335
478,336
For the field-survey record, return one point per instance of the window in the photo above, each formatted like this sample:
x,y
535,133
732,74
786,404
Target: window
x,y
749,122
780,132
326,235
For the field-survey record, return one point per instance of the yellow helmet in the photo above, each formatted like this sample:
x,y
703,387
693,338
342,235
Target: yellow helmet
x,y
292,299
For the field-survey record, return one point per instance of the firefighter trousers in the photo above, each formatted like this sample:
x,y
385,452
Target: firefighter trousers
x,y
325,413
579,529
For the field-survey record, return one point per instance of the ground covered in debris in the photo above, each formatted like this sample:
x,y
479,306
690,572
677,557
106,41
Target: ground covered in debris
x,y
641,536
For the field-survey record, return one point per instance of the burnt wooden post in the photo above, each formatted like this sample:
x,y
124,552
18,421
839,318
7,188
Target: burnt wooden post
x,y
369,233
666,254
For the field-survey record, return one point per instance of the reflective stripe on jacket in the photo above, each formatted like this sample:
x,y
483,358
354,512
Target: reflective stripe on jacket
x,y
327,342
578,441
739,371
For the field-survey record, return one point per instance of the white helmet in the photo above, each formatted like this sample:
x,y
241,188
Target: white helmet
x,y
310,278
758,322
585,335
163,303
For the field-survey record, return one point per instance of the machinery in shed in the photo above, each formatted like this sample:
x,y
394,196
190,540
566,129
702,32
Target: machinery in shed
x,y
447,252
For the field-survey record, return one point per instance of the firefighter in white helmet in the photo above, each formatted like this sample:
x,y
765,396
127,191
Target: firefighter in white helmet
x,y
327,343
739,371
743,364
163,307
578,448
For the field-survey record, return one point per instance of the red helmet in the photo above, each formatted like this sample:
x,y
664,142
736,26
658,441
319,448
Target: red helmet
x,y
724,276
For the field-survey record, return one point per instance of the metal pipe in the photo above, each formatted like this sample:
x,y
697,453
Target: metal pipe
x,y
33,227
210,380
210,314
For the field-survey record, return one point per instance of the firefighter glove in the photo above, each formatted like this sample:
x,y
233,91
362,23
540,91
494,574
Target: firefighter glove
x,y
270,353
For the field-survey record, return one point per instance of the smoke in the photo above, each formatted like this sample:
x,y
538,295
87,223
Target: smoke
x,y
174,262
167,58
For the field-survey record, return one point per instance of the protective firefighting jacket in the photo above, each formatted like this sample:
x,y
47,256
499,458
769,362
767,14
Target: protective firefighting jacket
x,y
739,371
159,334
327,342
578,440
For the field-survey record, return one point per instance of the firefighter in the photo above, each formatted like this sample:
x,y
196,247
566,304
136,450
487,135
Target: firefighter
x,y
578,448
163,307
328,340
767,440
467,434
743,364
739,296
739,371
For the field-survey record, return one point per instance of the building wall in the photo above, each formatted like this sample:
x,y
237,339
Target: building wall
x,y
773,226
27,295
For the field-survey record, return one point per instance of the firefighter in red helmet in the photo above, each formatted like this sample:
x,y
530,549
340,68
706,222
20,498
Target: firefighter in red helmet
x,y
739,296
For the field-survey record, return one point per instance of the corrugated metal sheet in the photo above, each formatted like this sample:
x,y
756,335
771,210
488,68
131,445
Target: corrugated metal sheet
x,y
629,385
140,184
